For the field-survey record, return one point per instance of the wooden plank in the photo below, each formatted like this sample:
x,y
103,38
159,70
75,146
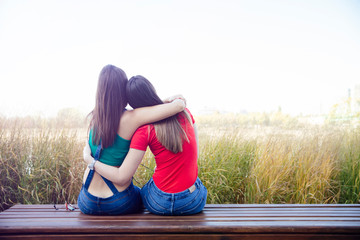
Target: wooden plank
x,y
281,205
321,219
234,221
208,208
217,206
205,215
185,237
227,206
163,226
298,214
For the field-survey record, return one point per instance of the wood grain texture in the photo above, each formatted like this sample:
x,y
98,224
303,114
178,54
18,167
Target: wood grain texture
x,y
228,221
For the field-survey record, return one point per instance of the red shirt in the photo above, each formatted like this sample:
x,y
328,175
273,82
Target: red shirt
x,y
174,172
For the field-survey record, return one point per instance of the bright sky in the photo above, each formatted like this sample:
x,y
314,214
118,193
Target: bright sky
x,y
253,55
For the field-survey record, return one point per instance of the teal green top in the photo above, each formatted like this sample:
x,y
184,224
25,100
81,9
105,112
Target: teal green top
x,y
113,155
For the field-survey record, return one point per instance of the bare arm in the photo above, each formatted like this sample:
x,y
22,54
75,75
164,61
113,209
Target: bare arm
x,y
155,113
122,175
133,119
172,98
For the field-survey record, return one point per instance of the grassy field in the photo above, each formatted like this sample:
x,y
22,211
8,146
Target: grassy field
x,y
253,158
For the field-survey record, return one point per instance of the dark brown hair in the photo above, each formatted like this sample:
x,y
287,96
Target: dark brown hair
x,y
141,93
109,105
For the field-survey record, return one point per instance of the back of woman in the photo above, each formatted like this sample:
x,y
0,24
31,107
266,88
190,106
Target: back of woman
x,y
174,172
175,188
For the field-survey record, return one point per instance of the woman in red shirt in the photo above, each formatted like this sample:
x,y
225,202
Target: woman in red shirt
x,y
175,188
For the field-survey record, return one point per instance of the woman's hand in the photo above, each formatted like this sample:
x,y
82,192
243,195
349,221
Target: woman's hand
x,y
87,153
180,102
172,98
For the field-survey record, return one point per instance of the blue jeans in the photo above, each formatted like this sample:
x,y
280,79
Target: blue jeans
x,y
125,202
183,203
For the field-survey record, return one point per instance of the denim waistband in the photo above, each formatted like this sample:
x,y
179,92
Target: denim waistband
x,y
178,195
116,196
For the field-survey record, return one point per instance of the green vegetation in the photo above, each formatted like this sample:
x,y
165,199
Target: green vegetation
x,y
39,165
252,158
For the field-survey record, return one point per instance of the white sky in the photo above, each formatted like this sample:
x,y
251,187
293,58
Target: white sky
x,y
236,55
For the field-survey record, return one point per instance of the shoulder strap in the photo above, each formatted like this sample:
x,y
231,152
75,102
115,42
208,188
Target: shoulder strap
x,y
98,151
91,173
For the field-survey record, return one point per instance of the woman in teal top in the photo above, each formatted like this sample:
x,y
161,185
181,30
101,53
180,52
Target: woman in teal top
x,y
111,129
114,155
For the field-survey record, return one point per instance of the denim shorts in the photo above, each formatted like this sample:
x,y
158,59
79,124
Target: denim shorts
x,y
190,201
125,202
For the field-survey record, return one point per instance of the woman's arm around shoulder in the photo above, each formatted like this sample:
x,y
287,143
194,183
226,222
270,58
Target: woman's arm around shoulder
x,y
133,119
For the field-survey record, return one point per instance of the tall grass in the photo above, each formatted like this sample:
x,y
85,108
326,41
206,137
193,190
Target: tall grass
x,y
253,159
40,165
224,165
349,167
298,169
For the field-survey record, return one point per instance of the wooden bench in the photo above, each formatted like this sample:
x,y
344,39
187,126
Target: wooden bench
x,y
230,221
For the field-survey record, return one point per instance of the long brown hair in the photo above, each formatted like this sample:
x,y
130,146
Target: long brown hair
x,y
141,93
110,102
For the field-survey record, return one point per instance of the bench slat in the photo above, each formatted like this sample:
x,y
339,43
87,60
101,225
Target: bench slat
x,y
216,221
186,237
299,215
225,206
